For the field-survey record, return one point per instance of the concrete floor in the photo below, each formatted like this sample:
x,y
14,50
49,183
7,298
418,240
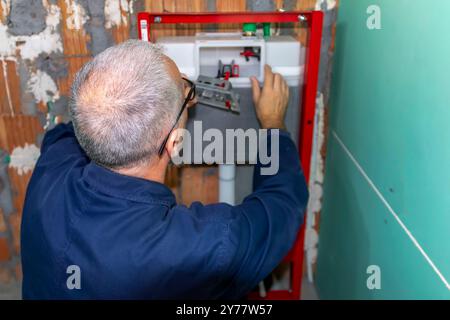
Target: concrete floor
x,y
309,291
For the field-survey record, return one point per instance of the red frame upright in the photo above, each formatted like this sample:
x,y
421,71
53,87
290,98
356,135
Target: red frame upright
x,y
313,20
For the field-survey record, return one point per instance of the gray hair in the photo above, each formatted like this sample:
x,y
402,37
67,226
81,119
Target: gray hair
x,y
122,104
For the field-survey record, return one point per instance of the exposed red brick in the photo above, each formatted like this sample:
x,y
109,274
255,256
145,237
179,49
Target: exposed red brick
x,y
2,222
199,183
5,255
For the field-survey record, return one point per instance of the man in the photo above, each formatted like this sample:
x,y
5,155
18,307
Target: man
x,y
98,221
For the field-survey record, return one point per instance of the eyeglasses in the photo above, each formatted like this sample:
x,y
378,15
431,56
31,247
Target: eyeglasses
x,y
189,98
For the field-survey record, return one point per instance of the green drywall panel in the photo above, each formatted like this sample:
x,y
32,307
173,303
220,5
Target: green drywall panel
x,y
390,106
362,232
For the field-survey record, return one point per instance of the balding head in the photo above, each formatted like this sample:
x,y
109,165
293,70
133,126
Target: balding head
x,y
123,102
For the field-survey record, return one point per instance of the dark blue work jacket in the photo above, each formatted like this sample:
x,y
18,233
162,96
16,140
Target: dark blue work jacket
x,y
91,233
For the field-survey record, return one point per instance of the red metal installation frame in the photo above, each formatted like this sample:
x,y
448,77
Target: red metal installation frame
x,y
313,21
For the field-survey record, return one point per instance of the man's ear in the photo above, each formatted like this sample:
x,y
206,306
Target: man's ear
x,y
174,142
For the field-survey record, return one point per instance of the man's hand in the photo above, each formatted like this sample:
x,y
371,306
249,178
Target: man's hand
x,y
271,101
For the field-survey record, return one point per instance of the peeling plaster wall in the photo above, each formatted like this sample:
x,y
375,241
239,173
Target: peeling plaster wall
x,y
319,147
42,45
26,17
76,15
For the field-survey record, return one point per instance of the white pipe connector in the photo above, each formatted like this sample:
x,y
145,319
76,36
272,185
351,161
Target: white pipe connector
x,y
227,176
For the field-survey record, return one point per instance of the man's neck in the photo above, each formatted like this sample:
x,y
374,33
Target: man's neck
x,y
153,172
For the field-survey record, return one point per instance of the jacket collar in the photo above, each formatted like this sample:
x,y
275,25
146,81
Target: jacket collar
x,y
127,187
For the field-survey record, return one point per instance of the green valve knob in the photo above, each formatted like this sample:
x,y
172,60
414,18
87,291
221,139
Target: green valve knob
x,y
7,159
249,29
266,29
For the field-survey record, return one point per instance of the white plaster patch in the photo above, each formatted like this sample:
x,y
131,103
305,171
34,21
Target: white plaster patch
x,y
319,168
76,15
311,238
8,92
53,14
124,5
23,159
112,13
116,12
30,47
331,4
311,241
315,199
130,6
48,41
43,88
7,43
315,187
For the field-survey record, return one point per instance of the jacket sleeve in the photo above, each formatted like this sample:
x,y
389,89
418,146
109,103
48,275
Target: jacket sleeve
x,y
59,132
61,140
264,227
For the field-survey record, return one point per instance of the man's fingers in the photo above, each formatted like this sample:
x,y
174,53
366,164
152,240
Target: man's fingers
x,y
255,89
268,77
277,82
285,88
